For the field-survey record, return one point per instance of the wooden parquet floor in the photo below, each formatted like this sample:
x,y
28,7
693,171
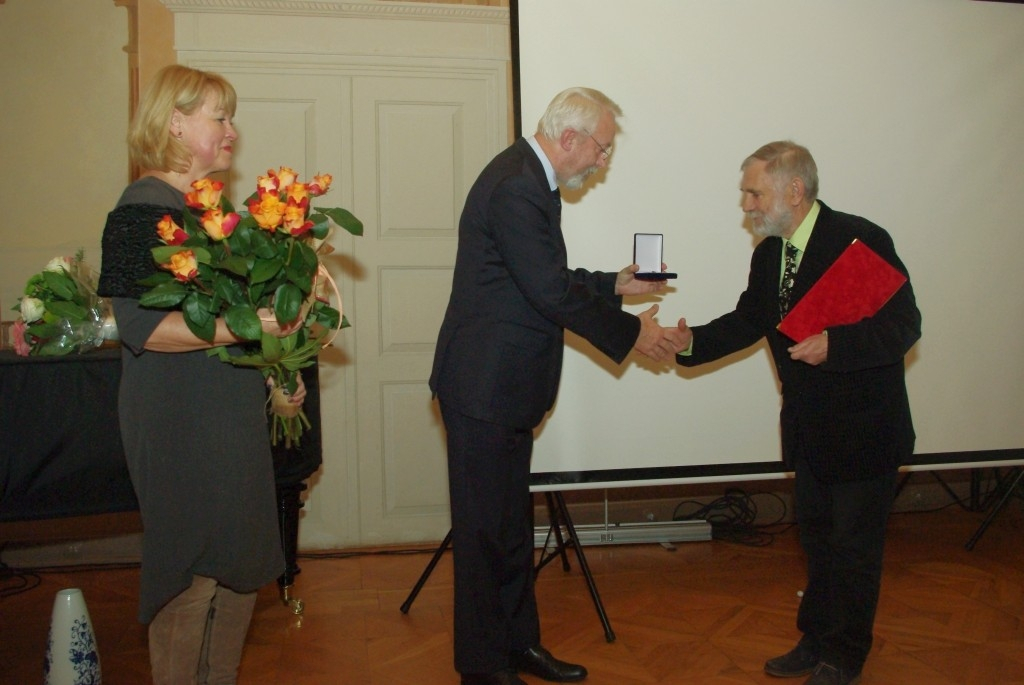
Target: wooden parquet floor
x,y
707,613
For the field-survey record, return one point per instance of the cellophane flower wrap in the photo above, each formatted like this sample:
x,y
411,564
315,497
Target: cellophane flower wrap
x,y
229,264
60,312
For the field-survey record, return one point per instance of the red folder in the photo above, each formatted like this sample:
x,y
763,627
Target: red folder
x,y
853,288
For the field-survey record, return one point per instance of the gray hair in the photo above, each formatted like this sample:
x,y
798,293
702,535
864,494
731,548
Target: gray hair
x,y
786,160
575,108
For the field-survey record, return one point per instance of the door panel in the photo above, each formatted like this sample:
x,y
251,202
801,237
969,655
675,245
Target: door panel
x,y
425,138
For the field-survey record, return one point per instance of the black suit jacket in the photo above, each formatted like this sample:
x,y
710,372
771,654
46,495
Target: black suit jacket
x,y
499,351
850,416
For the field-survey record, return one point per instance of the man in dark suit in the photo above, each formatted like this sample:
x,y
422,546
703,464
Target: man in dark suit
x,y
497,367
846,424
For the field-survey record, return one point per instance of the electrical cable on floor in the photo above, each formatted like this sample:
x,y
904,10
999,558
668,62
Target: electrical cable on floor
x,y
733,517
13,581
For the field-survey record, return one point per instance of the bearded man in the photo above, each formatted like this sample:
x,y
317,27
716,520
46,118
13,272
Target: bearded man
x,y
846,424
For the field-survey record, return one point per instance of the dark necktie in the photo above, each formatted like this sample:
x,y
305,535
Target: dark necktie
x,y
557,197
788,274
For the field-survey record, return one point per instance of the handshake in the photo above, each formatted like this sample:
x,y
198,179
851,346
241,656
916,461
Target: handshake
x,y
658,342
655,341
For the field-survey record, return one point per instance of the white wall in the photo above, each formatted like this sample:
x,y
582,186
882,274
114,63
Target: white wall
x,y
63,118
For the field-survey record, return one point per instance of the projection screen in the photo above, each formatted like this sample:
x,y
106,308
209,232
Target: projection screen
x,y
914,112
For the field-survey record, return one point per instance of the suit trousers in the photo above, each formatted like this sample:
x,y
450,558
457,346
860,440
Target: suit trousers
x,y
492,541
842,532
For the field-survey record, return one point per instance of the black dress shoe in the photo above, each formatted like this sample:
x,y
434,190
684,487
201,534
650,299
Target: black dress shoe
x,y
826,674
798,661
499,678
539,662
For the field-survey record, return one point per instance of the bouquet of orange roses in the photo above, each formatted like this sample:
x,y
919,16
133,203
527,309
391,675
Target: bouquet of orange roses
x,y
266,257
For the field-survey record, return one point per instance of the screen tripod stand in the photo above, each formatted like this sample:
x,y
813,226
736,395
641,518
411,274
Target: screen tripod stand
x,y
1009,485
560,518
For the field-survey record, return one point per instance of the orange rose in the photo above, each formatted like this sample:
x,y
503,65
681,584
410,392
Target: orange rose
x,y
320,184
285,177
268,210
295,221
170,232
206,194
219,225
297,192
183,265
267,183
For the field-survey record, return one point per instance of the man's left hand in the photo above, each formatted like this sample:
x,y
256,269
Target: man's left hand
x,y
627,284
813,350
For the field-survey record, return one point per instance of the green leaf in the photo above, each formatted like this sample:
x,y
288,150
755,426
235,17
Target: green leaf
x,y
265,269
163,253
263,245
290,342
271,346
227,290
220,352
60,284
54,348
343,218
301,266
328,317
236,264
287,302
204,330
198,317
43,330
321,226
240,241
67,310
191,224
157,278
243,322
165,295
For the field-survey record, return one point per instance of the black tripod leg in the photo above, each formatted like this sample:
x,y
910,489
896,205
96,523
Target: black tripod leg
x,y
554,531
426,572
1016,480
556,527
609,635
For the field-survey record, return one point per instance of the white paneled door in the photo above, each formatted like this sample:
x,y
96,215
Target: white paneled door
x,y
404,146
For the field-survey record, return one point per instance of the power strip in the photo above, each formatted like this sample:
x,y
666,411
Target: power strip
x,y
656,532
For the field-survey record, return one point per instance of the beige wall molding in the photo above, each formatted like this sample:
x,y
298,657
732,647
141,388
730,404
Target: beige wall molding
x,y
376,10
323,31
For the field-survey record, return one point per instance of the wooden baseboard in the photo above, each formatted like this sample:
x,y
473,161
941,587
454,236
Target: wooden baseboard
x,y
71,528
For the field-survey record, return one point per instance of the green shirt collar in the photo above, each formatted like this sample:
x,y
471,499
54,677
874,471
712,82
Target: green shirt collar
x,y
803,232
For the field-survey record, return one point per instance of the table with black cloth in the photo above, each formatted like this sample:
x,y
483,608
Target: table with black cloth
x,y
61,453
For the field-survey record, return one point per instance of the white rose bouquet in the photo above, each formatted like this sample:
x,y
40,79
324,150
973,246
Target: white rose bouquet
x,y
60,311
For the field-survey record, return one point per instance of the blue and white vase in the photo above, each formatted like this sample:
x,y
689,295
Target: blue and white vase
x,y
71,654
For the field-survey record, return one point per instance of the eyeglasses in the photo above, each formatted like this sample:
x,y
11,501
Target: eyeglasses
x,y
606,151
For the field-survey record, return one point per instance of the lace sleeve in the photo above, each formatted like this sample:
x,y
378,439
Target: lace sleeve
x,y
128,238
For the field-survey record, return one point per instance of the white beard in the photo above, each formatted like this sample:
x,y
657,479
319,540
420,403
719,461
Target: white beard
x,y
773,224
576,182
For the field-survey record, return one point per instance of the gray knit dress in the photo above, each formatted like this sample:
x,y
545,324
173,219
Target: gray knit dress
x,y
194,431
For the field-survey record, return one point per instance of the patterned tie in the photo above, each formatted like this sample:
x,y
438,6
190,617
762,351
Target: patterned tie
x,y
788,274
